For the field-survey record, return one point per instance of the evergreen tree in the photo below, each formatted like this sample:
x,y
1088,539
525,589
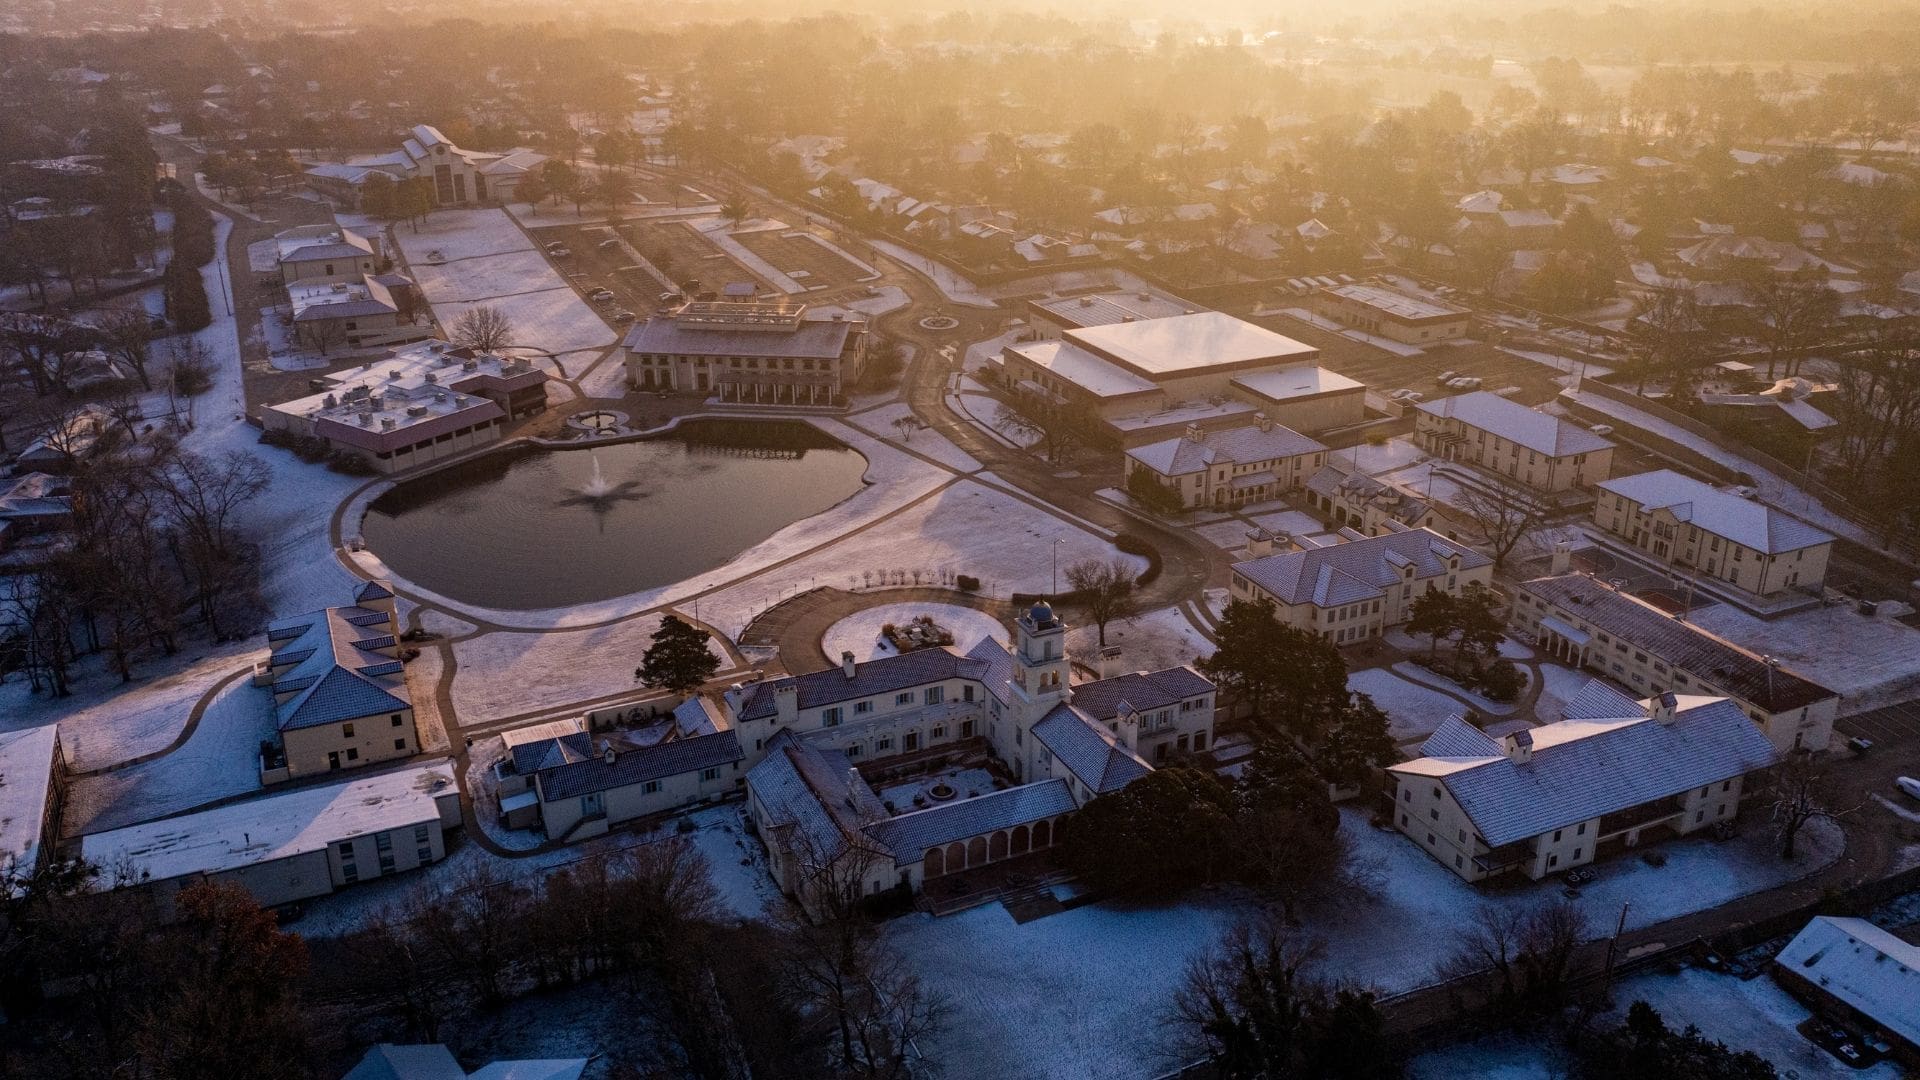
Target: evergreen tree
x,y
678,660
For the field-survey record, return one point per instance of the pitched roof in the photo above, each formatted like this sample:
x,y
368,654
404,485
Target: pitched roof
x,y
1863,966
1143,690
330,661
585,771
910,835
535,1069
815,792
1746,522
426,1061
881,675
1356,570
999,666
1237,445
1088,750
1727,667
26,779
1537,431
1584,769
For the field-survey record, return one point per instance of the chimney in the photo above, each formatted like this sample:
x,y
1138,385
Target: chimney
x,y
1194,434
1519,746
1265,421
1129,732
606,751
1562,558
1663,706
1259,542
786,702
1109,661
847,665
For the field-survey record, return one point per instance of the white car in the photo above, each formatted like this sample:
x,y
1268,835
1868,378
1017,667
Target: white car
x,y
560,252
610,242
1396,395
1909,785
602,295
1601,429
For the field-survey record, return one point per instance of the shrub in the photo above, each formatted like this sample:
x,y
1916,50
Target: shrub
x,y
1502,681
1134,545
1153,494
967,583
345,463
185,296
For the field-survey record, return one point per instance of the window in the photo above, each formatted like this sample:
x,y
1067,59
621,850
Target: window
x,y
1576,854
884,742
710,774
939,731
1553,861
1556,835
830,717
1403,821
936,694
396,720
419,834
399,744
1434,813
862,707
904,697
352,754
346,730
651,787
1582,830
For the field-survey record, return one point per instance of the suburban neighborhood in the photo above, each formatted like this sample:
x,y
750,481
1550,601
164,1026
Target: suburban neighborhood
x,y
962,543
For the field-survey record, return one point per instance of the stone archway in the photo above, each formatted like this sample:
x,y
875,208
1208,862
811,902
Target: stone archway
x,y
956,857
1018,844
997,846
1042,834
977,851
935,864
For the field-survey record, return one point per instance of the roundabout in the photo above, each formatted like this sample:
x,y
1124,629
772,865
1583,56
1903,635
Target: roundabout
x,y
938,322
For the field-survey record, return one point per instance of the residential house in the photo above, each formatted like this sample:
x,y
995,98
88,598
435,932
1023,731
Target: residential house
x,y
326,253
1353,591
1587,623
433,1061
1230,467
340,698
1686,522
1543,452
361,314
1615,774
36,504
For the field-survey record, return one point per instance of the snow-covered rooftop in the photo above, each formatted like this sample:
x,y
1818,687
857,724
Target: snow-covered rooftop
x,y
1303,381
1356,570
1188,344
1863,966
313,300
1239,445
1537,431
275,827
1100,309
1398,305
26,778
1743,521
1084,369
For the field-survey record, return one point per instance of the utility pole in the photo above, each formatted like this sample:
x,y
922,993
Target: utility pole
x,y
1613,943
1055,591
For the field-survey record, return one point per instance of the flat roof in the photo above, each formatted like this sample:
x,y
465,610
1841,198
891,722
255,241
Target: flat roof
x,y
1107,308
275,827
1305,381
1086,370
1187,344
1397,305
26,777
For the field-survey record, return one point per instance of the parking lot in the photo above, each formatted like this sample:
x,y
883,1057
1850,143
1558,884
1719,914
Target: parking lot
x,y
587,265
1893,724
802,257
685,255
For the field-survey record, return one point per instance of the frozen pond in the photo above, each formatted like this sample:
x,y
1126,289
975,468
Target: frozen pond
x,y
546,528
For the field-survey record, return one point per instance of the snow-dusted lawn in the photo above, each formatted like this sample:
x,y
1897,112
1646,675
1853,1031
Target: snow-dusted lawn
x,y
1150,641
1495,1057
984,411
859,634
506,674
104,721
953,286
1227,535
221,760
737,862
485,260
460,234
1396,453
1413,711
1411,670
968,528
1558,686
484,754
607,379
1075,996
924,440
1746,1014
1870,662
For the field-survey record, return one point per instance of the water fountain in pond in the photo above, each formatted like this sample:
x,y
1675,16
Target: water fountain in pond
x,y
599,492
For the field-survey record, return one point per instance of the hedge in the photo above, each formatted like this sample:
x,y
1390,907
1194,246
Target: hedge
x,y
1136,545
185,295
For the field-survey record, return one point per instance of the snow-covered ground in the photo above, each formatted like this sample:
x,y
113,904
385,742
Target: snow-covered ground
x,y
859,634
606,378
482,756
1413,710
1558,686
923,440
1319,322
984,413
1411,670
1871,662
981,353
219,761
1291,522
1149,641
966,781
951,284
1494,1057
105,721
1568,364
463,259
507,674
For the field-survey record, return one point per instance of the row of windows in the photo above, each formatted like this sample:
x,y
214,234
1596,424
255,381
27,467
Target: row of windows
x,y
835,715
346,729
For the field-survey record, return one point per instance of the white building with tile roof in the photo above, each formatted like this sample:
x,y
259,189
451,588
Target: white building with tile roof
x,y
1743,542
325,253
1543,800
460,177
1353,591
808,737
339,689
1506,438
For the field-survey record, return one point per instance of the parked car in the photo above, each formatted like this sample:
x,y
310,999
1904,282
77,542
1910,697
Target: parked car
x,y
670,297
609,242
555,245
1909,785
1413,397
1860,744
1601,429
560,253
602,295
1396,395
623,316
1446,377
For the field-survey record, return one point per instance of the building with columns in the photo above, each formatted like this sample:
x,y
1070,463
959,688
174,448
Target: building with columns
x,y
809,739
762,352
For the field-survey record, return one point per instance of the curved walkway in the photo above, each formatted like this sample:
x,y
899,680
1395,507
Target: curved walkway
x,y
796,626
186,730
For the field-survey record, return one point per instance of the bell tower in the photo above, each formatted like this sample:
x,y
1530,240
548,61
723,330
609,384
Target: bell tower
x,y
1040,672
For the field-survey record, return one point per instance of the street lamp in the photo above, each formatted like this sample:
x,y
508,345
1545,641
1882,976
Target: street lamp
x,y
1055,591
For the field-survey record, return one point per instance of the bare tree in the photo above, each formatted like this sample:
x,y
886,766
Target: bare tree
x,y
906,425
486,329
1060,431
322,334
1498,515
1105,587
1795,312
127,336
1800,797
1528,951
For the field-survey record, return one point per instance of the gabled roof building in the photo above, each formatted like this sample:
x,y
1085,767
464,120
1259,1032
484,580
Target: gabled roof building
x,y
1725,536
339,689
1231,467
1854,972
1353,591
1543,800
1508,439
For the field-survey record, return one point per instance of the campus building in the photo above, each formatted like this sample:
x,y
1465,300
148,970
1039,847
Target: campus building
x,y
1392,314
1370,507
339,688
1231,467
1353,591
1853,972
1743,542
325,253
427,403
292,845
33,779
1614,774
360,314
1587,623
1147,380
1506,438
460,177
753,352
809,737
1051,317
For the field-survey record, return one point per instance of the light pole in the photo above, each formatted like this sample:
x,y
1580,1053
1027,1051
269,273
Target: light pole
x,y
1055,591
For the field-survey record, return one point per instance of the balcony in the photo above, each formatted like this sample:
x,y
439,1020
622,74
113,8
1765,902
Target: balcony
x,y
1504,857
1639,817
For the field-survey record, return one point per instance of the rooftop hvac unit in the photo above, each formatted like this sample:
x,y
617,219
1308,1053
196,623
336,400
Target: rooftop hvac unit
x,y
470,365
416,410
432,378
